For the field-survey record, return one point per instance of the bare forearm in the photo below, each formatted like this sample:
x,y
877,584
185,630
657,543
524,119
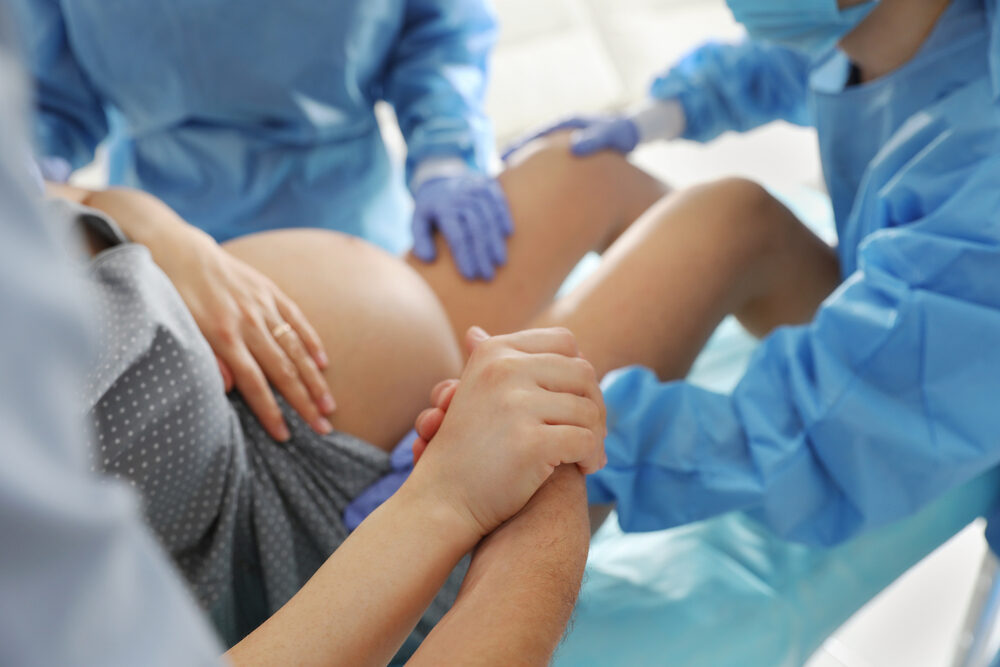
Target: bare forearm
x,y
364,601
142,217
145,219
521,588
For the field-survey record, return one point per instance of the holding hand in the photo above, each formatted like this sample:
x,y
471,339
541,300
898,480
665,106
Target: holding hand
x,y
470,210
527,403
259,336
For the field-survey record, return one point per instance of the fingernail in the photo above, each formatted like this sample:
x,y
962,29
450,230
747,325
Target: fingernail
x,y
324,426
479,333
327,404
322,359
283,433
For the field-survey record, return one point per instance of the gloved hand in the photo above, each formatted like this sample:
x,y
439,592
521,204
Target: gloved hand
x,y
470,210
401,464
592,134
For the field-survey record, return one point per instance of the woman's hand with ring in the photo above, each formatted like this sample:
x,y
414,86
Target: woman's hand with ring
x,y
260,336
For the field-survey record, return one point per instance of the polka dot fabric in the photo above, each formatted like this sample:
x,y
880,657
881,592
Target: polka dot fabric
x,y
247,520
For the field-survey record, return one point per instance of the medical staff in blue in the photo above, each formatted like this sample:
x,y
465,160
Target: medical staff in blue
x,y
252,115
884,401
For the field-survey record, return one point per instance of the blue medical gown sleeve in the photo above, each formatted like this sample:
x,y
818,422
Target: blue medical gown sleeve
x,y
886,400
436,81
737,87
70,117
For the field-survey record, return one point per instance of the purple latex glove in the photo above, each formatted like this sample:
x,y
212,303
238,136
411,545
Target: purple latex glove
x,y
471,212
401,462
615,134
592,134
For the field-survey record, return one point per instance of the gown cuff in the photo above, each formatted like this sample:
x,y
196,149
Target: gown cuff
x,y
437,167
658,120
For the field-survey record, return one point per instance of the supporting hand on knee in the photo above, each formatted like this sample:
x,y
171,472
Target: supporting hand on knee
x,y
590,135
526,404
470,210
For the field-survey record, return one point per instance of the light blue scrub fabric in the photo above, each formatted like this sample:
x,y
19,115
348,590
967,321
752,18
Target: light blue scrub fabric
x,y
736,87
246,115
886,400
654,597
808,26
82,581
728,593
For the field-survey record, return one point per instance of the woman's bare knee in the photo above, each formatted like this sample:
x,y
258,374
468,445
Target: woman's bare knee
x,y
614,191
787,270
692,259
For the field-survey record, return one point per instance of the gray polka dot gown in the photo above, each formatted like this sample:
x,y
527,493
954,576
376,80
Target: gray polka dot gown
x,y
247,520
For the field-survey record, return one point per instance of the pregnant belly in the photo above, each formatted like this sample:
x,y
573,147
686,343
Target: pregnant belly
x,y
386,333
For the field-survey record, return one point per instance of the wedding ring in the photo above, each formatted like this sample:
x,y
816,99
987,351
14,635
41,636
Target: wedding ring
x,y
281,330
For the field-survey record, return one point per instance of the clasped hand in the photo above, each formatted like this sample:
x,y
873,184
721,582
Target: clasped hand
x,y
526,404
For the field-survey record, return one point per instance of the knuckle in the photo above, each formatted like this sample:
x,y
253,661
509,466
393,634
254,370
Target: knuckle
x,y
585,368
307,366
258,385
511,401
500,369
293,347
226,332
492,345
287,369
247,311
308,410
274,416
244,367
586,444
564,337
293,308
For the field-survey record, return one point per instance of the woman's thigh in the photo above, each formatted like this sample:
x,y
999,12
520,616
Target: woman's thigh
x,y
386,334
563,207
721,248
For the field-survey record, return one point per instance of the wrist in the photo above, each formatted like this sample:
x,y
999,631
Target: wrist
x,y
445,515
437,167
658,120
147,221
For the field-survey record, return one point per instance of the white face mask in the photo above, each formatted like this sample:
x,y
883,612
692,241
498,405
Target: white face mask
x,y
811,26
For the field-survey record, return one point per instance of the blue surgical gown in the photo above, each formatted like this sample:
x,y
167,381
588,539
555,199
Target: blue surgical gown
x,y
246,115
887,398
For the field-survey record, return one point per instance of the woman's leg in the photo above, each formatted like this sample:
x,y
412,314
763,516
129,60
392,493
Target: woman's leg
x,y
661,290
562,208
665,283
